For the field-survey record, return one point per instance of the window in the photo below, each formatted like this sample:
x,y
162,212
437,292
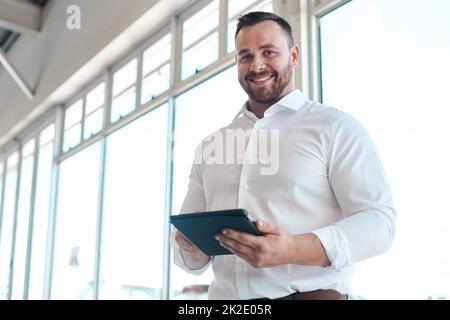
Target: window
x,y
84,124
237,8
393,74
23,219
124,91
156,69
200,40
72,125
7,222
76,222
93,114
132,248
41,214
212,110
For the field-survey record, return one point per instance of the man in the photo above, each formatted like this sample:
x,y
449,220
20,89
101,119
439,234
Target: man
x,y
327,206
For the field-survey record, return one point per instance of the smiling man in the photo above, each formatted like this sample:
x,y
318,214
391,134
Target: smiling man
x,y
327,207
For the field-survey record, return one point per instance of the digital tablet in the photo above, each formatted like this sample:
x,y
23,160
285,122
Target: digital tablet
x,y
201,227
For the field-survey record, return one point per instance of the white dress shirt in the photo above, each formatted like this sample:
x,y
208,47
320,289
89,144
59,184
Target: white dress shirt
x,y
329,181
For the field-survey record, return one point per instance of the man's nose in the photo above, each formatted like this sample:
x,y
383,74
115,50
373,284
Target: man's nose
x,y
257,65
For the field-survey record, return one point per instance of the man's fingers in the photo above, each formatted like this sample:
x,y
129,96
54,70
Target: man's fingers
x,y
185,243
268,227
235,246
245,255
245,238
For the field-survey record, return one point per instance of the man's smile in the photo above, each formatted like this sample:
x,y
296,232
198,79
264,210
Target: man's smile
x,y
261,80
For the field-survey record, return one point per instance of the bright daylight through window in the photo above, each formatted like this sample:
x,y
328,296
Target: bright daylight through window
x,y
394,77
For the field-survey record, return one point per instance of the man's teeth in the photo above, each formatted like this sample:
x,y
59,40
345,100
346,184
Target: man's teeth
x,y
261,79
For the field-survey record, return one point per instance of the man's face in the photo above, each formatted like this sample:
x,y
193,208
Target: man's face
x,y
265,62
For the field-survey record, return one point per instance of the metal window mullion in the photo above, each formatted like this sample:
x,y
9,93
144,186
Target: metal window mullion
x,y
223,28
139,80
166,294
51,226
307,82
31,219
83,119
2,194
16,205
61,132
108,99
175,78
176,52
98,244
316,60
327,6
106,124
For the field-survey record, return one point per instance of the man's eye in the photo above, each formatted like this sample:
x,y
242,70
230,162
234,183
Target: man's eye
x,y
268,52
246,57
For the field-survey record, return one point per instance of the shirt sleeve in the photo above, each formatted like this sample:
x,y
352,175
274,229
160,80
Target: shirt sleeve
x,y
362,191
194,201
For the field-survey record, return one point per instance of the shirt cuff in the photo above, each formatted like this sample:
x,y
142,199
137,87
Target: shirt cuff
x,y
336,247
195,271
179,259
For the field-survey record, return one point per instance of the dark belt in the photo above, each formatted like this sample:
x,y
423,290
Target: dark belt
x,y
313,295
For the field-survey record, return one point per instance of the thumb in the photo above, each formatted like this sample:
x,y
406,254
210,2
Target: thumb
x,y
268,227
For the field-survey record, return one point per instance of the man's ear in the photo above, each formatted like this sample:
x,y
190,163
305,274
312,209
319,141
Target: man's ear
x,y
295,55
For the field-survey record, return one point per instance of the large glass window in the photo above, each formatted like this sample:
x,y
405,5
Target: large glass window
x,y
156,69
76,221
7,222
393,73
41,214
84,118
200,40
72,125
133,212
93,113
23,219
124,91
237,8
212,110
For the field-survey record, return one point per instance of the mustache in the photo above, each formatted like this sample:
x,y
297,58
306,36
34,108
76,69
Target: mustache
x,y
253,74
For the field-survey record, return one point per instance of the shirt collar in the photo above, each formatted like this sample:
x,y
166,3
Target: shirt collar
x,y
244,110
293,101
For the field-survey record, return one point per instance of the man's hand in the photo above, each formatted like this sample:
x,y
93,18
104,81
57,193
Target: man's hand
x,y
276,247
193,256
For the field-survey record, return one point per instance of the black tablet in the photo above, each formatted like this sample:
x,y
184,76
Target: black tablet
x,y
201,227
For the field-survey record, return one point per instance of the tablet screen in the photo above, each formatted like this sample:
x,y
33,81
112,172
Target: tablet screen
x,y
201,227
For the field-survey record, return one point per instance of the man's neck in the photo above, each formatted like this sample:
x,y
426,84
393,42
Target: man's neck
x,y
258,109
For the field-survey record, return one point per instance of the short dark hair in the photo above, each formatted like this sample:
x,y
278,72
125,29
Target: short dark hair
x,y
252,18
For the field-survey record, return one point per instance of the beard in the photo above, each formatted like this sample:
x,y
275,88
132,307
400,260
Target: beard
x,y
268,93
